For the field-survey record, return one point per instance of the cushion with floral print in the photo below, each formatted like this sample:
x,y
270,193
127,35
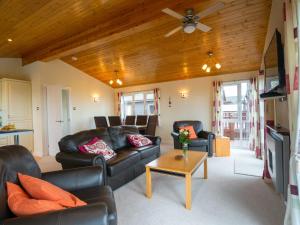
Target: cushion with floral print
x,y
97,146
138,140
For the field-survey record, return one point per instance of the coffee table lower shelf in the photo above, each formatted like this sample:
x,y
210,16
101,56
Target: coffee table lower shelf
x,y
181,168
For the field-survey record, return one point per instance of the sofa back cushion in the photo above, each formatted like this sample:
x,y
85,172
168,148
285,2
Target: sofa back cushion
x,y
118,136
197,125
70,143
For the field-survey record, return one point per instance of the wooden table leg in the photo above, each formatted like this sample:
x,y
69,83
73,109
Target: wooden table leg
x,y
205,169
188,191
148,183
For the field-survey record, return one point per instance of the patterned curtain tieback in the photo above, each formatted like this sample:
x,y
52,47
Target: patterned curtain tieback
x,y
294,190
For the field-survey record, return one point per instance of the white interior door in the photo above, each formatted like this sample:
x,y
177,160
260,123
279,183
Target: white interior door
x,y
55,118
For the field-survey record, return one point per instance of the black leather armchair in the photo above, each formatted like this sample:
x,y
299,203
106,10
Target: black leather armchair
x,y
86,183
204,142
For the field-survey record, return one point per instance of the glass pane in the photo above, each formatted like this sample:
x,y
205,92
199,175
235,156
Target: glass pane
x,y
150,96
128,98
128,109
139,97
150,107
244,89
139,108
230,93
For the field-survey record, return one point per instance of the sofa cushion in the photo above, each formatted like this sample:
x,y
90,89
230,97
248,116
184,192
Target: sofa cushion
x,y
192,134
197,125
21,204
43,190
198,142
97,146
138,140
70,143
123,159
100,194
118,136
147,151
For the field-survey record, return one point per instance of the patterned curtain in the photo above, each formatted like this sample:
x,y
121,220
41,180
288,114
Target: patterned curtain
x,y
156,92
254,138
291,21
119,104
217,114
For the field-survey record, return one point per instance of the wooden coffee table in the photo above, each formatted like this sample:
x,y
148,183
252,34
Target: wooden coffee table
x,y
167,163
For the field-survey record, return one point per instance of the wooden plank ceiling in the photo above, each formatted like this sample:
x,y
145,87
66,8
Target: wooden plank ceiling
x,y
128,35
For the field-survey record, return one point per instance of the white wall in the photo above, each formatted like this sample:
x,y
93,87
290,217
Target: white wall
x,y
83,88
197,106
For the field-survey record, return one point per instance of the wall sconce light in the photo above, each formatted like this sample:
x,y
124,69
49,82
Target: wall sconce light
x,y
96,99
183,94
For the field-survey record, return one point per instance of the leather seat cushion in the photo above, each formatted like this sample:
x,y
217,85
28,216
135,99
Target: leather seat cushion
x,y
100,194
124,159
146,151
198,142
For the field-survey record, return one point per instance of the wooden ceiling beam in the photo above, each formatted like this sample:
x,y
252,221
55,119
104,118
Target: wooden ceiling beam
x,y
146,15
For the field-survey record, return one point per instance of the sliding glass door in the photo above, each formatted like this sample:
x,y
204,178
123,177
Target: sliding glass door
x,y
235,113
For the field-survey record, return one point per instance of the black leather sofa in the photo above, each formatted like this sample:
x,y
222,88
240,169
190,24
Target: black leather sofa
x,y
204,142
86,183
128,163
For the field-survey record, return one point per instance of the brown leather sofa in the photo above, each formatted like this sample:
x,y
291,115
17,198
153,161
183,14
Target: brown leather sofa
x,y
128,163
86,183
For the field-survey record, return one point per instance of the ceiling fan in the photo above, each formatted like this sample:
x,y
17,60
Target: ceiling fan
x,y
191,20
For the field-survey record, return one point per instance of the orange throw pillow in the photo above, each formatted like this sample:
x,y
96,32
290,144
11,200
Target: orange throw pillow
x,y
191,130
21,204
43,190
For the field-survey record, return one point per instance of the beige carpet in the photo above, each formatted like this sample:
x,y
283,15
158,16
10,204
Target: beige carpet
x,y
224,199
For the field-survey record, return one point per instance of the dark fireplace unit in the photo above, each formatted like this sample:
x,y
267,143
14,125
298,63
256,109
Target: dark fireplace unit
x,y
278,152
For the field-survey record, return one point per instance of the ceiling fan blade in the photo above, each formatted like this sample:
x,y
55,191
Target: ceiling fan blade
x,y
173,31
211,10
170,12
203,27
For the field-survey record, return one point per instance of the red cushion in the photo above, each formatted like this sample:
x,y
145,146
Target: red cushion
x,y
138,140
191,131
42,190
97,146
21,204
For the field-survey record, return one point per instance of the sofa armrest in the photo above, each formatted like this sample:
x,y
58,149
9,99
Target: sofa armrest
x,y
210,137
77,178
71,160
174,134
85,215
206,135
155,139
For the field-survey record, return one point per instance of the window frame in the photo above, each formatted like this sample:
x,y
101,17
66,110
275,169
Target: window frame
x,y
133,102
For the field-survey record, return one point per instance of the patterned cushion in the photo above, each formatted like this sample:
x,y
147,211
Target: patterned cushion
x,y
97,146
138,140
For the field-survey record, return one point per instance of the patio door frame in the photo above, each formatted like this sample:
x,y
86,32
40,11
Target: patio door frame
x,y
239,105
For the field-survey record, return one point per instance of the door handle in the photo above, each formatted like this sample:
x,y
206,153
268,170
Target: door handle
x,y
59,121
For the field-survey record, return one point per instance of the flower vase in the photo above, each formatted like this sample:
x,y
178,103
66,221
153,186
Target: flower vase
x,y
185,147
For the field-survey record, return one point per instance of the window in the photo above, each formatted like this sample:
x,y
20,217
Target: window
x,y
138,103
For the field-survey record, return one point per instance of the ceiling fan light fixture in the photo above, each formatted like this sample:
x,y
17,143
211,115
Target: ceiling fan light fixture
x,y
204,67
218,66
111,82
208,70
189,28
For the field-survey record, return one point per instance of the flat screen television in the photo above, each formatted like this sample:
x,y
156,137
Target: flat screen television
x,y
274,68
